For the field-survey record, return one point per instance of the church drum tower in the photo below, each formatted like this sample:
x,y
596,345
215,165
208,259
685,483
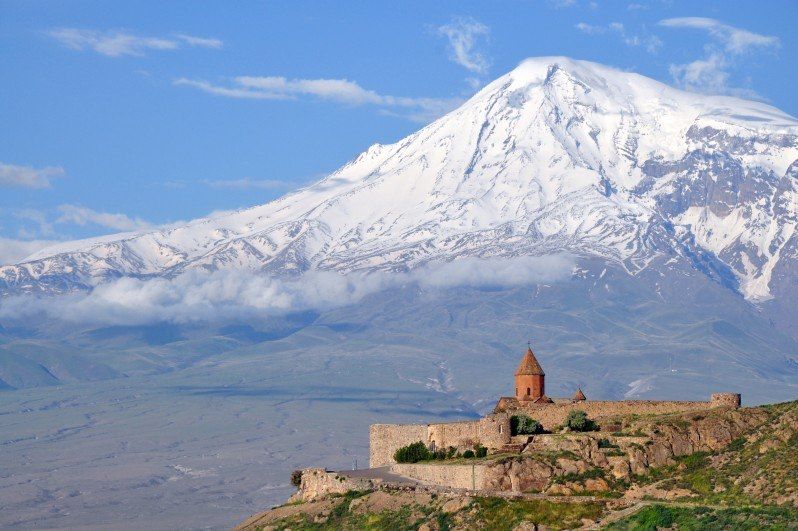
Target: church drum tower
x,y
529,378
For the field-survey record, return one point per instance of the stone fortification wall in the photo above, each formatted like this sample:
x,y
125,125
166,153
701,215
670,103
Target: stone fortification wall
x,y
553,415
385,439
731,400
471,477
317,483
492,432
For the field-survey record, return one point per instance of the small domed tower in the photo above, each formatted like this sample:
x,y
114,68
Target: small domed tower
x,y
529,378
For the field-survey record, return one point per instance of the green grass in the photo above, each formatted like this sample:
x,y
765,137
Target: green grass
x,y
486,513
656,517
593,473
499,513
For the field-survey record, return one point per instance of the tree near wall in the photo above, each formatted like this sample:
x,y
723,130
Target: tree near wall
x,y
413,453
524,425
578,421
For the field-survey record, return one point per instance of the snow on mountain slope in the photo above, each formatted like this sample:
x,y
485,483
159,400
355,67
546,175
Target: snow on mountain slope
x,y
556,155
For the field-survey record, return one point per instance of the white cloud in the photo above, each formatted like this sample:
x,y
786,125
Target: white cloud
x,y
734,40
248,184
464,35
14,251
336,90
202,42
41,225
28,177
711,73
651,43
84,216
198,296
118,43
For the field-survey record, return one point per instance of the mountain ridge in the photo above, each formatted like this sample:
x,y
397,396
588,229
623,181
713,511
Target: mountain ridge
x,y
557,155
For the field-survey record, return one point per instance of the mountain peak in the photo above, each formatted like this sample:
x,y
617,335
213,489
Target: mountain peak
x,y
556,155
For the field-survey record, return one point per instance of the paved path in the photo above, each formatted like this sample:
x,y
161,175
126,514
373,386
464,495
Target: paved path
x,y
383,474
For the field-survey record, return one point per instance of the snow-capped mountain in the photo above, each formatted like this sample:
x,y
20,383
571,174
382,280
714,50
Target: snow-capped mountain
x,y
557,155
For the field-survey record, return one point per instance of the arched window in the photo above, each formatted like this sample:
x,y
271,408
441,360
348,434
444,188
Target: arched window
x,y
516,391
528,391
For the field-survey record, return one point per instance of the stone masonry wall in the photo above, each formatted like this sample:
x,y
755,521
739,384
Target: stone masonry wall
x,y
471,477
492,432
552,415
317,483
385,439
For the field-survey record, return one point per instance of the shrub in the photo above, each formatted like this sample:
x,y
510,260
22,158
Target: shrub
x,y
737,444
695,461
606,443
468,454
413,453
481,451
296,478
450,452
577,421
523,425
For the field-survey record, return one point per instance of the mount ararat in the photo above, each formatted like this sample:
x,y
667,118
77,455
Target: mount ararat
x,y
654,195
557,155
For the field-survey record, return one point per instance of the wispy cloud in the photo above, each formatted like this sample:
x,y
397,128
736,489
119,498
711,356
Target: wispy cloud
x,y
711,73
203,42
465,36
29,177
734,40
199,296
118,43
248,184
340,91
84,216
14,251
651,43
35,223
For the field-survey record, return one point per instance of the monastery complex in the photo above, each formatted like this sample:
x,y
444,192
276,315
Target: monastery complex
x,y
494,430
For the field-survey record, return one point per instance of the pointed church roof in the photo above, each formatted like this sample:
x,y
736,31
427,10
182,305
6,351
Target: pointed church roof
x,y
529,365
579,396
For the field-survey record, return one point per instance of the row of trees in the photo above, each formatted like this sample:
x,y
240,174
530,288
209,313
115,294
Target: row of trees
x,y
577,420
418,451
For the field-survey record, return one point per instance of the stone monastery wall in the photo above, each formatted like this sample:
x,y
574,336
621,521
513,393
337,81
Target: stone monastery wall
x,y
384,439
553,415
493,431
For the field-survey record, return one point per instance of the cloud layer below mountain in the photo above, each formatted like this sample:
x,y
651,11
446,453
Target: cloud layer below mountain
x,y
228,295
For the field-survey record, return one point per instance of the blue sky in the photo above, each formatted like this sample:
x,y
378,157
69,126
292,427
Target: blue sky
x,y
118,116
